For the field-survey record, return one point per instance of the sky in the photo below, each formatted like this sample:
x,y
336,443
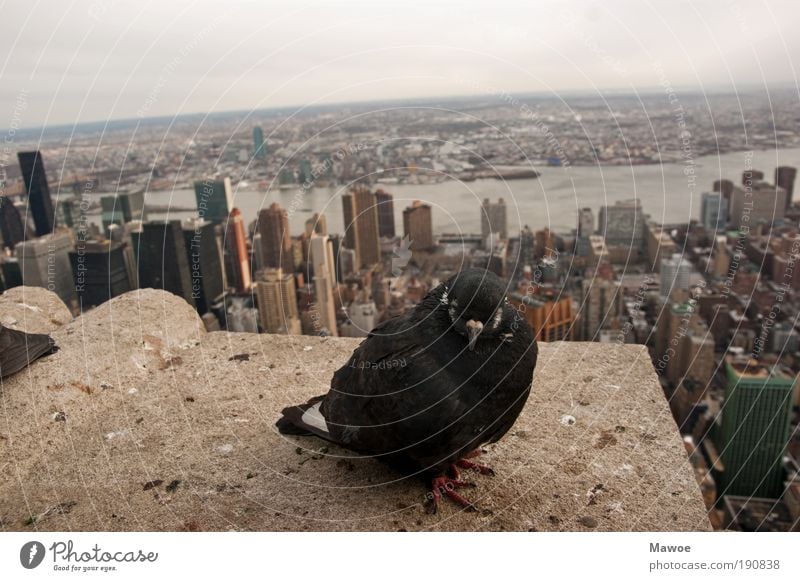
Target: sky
x,y
72,61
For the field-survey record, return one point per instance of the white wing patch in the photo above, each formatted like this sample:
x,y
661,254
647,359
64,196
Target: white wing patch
x,y
498,318
313,417
444,299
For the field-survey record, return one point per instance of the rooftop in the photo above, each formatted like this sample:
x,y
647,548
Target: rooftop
x,y
143,421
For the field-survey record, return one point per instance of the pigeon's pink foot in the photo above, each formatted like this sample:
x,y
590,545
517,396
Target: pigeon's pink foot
x,y
446,486
474,466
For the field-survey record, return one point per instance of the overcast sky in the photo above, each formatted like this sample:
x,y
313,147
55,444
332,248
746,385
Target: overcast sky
x,y
63,62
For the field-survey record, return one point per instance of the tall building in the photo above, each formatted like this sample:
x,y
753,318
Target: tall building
x,y
724,187
163,260
755,428
324,280
757,203
418,226
44,262
214,199
362,316
385,203
122,208
39,201
276,242
550,316
601,302
317,224
259,147
527,249
714,212
205,263
361,226
585,223
11,225
623,224
277,302
660,246
237,265
784,178
675,273
494,219
751,176
100,271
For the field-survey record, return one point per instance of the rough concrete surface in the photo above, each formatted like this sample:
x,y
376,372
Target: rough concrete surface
x,y
33,309
142,421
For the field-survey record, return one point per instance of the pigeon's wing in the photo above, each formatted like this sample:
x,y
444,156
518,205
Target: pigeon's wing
x,y
394,397
19,349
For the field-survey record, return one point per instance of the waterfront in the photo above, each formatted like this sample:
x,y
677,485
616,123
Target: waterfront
x,y
667,193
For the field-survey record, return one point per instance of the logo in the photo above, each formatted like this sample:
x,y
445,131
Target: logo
x,y
402,255
31,554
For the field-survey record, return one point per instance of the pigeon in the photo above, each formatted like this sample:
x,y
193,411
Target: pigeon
x,y
425,391
19,349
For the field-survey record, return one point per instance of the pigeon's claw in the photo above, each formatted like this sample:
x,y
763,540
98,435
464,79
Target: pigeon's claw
x,y
446,486
475,467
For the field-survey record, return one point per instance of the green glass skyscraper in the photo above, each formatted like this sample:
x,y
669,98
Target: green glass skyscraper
x,y
755,428
214,199
259,147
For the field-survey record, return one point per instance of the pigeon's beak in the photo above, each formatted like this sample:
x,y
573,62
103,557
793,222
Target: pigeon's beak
x,y
474,329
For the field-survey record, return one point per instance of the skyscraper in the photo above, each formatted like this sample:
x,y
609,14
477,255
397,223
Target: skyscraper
x,y
317,224
162,259
494,219
259,147
44,262
39,201
11,225
361,226
122,208
724,187
418,226
276,242
100,271
385,203
602,302
214,199
623,224
755,428
757,203
277,302
585,223
324,279
784,177
238,258
714,212
675,272
205,263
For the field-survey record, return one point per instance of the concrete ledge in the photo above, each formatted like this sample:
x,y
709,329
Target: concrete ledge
x,y
142,421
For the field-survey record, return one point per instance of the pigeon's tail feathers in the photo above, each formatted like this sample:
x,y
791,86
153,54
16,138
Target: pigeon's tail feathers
x,y
19,349
304,420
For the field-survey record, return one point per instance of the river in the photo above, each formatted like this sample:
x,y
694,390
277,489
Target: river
x,y
670,193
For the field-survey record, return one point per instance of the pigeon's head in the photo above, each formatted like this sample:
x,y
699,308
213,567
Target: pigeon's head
x,y
475,300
